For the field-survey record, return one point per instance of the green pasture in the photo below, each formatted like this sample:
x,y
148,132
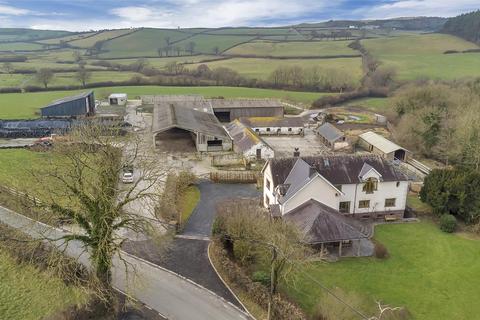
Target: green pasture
x,y
297,48
431,273
18,34
262,68
161,62
26,105
205,43
372,104
20,46
144,42
101,36
67,38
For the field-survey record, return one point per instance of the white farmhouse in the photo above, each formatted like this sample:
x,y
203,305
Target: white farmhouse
x,y
247,143
358,186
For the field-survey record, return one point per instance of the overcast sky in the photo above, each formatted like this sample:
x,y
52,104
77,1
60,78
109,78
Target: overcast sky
x,y
79,15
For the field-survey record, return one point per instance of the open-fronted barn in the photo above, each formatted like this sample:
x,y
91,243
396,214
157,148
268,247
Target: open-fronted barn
x,y
380,145
228,110
179,125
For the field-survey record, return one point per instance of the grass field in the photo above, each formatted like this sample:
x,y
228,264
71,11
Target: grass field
x,y
372,104
421,56
262,68
17,34
160,63
433,274
286,49
101,36
19,46
29,294
26,105
144,42
207,43
67,38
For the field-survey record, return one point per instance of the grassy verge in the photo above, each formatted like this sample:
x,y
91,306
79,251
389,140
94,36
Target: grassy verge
x,y
253,308
28,293
414,202
433,274
188,201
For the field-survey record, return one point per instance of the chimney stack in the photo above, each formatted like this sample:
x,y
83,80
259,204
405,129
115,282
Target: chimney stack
x,y
296,153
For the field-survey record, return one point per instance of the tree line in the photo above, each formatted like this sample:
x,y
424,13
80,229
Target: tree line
x,y
466,26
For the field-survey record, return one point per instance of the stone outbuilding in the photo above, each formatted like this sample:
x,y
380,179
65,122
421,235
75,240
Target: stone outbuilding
x,y
331,136
247,143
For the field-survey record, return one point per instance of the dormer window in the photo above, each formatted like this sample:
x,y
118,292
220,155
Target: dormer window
x,y
370,185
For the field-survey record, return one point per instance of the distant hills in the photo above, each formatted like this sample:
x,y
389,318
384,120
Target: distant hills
x,y
466,26
405,23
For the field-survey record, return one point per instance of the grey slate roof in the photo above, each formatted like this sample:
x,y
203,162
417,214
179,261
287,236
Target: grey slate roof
x,y
170,115
330,132
243,137
319,223
341,169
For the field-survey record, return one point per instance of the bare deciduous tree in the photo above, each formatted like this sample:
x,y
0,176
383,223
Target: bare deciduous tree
x,y
84,190
44,76
7,67
83,75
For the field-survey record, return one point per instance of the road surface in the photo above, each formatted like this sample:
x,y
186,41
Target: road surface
x,y
170,295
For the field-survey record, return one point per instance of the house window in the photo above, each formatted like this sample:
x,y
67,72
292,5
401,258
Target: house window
x,y
257,130
398,184
390,202
363,204
344,207
289,129
370,185
268,129
267,184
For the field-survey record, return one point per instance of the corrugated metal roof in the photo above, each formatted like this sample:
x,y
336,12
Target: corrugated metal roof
x,y
169,115
330,132
117,95
82,95
245,103
380,142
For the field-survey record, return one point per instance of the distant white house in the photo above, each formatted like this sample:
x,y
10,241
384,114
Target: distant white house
x,y
275,125
117,99
359,186
247,143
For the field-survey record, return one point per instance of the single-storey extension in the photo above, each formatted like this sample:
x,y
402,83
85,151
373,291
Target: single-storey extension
x,y
176,123
81,105
331,136
247,143
380,145
275,125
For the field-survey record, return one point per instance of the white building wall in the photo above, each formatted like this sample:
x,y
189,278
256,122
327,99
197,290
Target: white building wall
x,y
267,152
268,193
278,130
318,189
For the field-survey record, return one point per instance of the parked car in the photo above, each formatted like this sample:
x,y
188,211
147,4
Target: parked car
x,y
127,176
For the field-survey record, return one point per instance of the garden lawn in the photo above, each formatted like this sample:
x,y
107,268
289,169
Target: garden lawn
x,y
27,105
29,294
188,202
434,274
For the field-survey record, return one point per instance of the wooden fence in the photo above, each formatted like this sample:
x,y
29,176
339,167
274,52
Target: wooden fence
x,y
21,195
235,176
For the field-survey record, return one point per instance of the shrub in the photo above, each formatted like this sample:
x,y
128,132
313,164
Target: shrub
x,y
448,223
381,251
262,277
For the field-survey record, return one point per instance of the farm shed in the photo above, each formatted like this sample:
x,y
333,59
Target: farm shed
x,y
179,124
380,145
33,128
331,136
322,226
228,110
117,99
81,105
247,143
275,125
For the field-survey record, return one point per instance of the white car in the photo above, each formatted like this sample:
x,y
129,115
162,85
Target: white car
x,y
127,177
